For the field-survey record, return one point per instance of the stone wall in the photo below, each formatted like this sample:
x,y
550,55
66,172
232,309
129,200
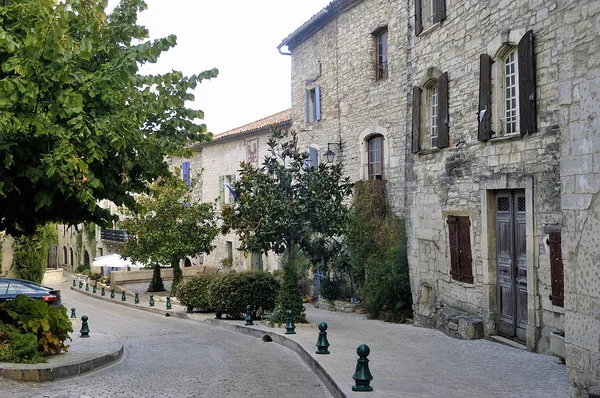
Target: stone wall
x,y
577,47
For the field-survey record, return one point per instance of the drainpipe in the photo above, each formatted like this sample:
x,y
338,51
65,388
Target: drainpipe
x,y
320,15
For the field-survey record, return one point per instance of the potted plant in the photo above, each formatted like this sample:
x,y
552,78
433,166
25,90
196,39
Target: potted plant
x,y
228,262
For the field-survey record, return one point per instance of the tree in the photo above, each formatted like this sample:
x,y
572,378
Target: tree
x,y
78,122
31,253
285,204
171,226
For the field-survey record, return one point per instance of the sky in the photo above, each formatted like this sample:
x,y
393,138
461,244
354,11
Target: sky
x,y
238,37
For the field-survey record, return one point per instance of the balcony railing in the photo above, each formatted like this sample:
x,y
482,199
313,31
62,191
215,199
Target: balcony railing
x,y
114,235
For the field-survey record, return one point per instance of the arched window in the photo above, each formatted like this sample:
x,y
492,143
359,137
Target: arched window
x,y
71,255
65,258
375,157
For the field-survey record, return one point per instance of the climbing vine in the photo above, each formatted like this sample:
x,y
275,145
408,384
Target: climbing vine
x,y
31,253
90,236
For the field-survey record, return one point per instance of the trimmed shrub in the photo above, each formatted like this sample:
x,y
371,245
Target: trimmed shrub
x,y
193,294
230,293
31,329
330,289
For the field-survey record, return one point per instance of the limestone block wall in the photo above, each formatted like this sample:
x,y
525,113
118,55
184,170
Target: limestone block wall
x,y
340,59
577,46
462,178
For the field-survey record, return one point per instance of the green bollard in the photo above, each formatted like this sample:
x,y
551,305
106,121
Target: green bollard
x,y
322,343
362,375
85,329
80,284
112,293
289,326
151,300
123,296
73,316
136,300
218,315
87,287
74,283
169,306
102,292
94,289
249,316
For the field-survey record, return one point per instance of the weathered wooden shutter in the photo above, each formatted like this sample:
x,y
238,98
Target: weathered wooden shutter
x,y
416,120
527,111
484,116
454,248
464,258
443,117
318,103
439,11
221,189
307,108
418,17
556,269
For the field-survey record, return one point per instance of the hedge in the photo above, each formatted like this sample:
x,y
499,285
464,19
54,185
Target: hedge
x,y
193,294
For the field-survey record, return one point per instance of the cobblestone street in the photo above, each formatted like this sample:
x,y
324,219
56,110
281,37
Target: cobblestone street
x,y
171,357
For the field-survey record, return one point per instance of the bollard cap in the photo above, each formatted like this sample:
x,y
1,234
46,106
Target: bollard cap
x,y
248,307
322,326
363,350
84,318
73,309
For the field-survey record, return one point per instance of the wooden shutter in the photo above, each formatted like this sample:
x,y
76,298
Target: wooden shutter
x,y
527,112
454,247
185,172
318,103
416,120
484,116
439,11
307,109
556,269
221,189
418,17
464,258
443,118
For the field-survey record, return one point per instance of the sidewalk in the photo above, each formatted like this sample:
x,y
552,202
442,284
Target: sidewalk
x,y
405,361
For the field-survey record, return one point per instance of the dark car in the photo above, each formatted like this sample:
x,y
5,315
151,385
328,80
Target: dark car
x,y
10,288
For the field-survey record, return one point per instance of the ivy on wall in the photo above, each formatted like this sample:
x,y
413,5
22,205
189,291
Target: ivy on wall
x,y
31,253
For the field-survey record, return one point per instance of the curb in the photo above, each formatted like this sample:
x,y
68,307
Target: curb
x,y
60,372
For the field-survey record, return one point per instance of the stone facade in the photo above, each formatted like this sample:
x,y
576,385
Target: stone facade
x,y
544,166
215,164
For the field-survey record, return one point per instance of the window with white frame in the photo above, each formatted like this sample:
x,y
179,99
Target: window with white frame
x,y
375,157
430,127
313,158
381,53
226,189
511,93
431,119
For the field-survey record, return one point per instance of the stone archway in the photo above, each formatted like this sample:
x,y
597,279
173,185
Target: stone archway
x,y
187,263
86,258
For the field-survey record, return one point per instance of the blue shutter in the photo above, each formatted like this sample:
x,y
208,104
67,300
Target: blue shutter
x,y
313,157
307,110
221,189
318,103
185,172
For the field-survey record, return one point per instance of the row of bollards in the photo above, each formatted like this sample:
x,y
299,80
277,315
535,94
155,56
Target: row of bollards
x,y
362,375
124,296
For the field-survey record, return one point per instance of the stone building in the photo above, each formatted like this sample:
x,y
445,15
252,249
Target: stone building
x,y
481,120
216,166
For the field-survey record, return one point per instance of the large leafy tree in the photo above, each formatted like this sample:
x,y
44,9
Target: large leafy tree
x,y
170,226
287,204
78,122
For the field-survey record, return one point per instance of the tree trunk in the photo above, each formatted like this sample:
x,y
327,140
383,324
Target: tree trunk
x,y
177,276
156,285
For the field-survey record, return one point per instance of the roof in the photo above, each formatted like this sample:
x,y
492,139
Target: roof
x,y
316,23
278,119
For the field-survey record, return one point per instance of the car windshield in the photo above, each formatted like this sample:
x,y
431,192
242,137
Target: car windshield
x,y
25,288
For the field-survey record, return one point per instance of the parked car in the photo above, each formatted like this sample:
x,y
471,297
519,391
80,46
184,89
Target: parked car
x,y
10,288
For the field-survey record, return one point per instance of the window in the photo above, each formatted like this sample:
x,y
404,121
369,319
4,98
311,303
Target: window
x,y
186,173
428,13
381,47
226,192
313,104
313,158
65,258
556,270
430,114
507,103
460,248
100,251
229,250
375,156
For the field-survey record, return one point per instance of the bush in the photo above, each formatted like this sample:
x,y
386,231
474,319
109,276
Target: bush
x,y
195,292
81,268
31,329
31,253
288,297
230,293
330,289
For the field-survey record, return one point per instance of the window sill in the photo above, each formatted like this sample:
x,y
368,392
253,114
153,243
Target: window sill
x,y
428,151
426,32
505,137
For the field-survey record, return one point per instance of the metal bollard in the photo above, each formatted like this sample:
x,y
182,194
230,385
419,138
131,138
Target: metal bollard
x,y
85,329
136,300
94,289
362,374
74,283
322,343
112,293
102,292
151,300
169,306
73,316
123,296
249,316
289,326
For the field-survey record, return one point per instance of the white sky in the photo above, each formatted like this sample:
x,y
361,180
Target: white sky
x,y
238,37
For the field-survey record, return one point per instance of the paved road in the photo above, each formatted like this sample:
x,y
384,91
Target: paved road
x,y
170,357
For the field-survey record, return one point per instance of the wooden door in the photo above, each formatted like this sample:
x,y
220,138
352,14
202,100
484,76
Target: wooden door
x,y
256,261
511,263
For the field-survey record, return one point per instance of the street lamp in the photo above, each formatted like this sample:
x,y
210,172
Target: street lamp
x,y
329,154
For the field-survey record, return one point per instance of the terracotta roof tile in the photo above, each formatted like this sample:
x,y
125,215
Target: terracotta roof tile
x,y
278,118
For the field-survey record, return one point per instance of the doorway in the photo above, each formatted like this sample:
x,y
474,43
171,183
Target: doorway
x,y
511,256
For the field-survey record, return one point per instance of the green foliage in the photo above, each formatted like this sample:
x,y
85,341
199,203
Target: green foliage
x,y
31,253
330,289
171,226
177,279
194,293
79,122
81,268
156,284
90,234
288,297
230,293
377,243
31,329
